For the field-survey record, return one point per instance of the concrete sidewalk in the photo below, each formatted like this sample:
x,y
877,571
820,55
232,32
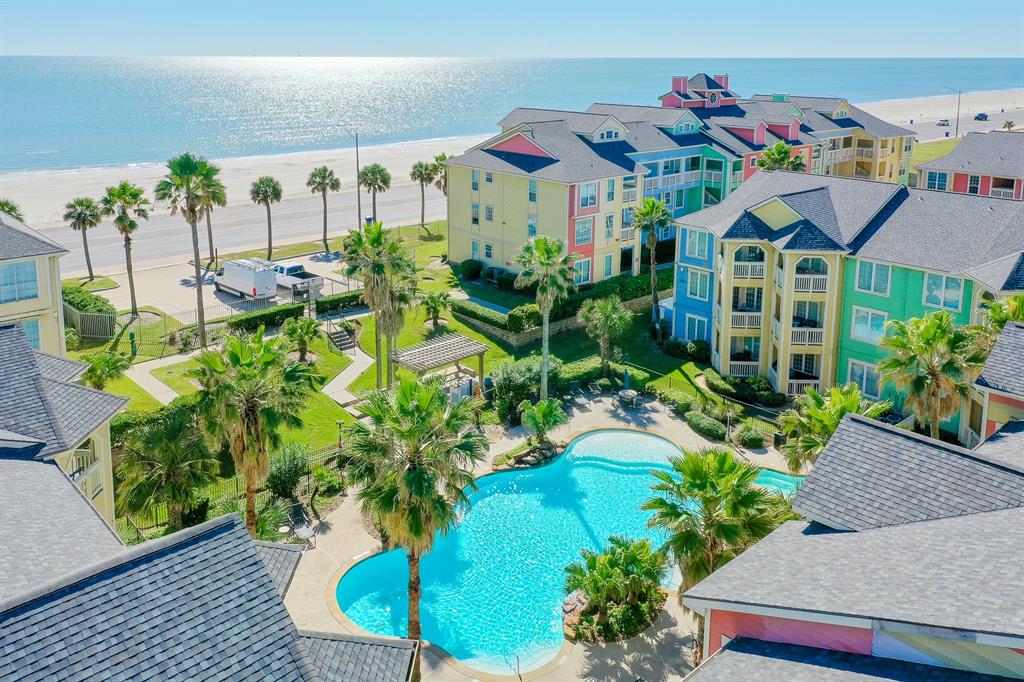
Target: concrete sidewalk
x,y
337,388
140,374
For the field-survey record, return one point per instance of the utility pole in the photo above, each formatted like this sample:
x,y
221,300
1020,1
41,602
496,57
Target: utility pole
x,y
956,133
354,134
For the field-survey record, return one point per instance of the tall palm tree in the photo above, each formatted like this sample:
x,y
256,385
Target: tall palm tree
x,y
266,190
712,511
12,209
400,296
375,178
249,391
812,420
605,320
441,173
128,204
780,157
83,214
412,464
321,181
166,462
182,189
932,362
213,194
649,220
424,174
545,264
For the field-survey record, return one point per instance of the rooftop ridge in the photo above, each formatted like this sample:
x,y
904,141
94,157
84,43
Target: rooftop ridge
x,y
383,640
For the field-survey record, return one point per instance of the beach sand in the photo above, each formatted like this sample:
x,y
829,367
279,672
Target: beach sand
x,y
42,194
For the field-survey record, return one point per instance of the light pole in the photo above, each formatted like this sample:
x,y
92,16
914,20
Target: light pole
x,y
956,131
354,134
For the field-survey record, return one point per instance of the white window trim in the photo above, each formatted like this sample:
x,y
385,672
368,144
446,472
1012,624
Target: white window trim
x,y
609,265
579,271
686,324
706,240
576,231
579,198
869,311
924,291
874,263
700,271
849,376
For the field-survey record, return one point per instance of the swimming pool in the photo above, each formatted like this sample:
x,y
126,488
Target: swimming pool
x,y
492,588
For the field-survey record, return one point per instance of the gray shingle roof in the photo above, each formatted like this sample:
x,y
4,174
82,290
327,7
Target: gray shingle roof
x,y
814,106
59,369
1004,368
999,153
56,412
963,572
349,658
1004,274
47,527
280,560
1006,445
18,240
745,659
872,474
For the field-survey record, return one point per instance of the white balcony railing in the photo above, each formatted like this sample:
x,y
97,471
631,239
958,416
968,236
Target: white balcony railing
x,y
716,360
629,195
90,479
691,176
839,154
742,320
1001,193
865,153
807,336
744,369
773,377
718,311
776,329
626,234
817,284
714,177
749,270
737,177
798,386
779,277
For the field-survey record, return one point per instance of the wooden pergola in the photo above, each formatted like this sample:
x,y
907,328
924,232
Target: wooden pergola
x,y
447,349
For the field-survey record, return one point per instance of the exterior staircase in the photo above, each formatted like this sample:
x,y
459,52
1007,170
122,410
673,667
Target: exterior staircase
x,y
341,339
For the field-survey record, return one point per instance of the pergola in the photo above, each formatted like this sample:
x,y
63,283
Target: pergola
x,y
442,351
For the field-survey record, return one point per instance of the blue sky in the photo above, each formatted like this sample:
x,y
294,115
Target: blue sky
x,y
522,28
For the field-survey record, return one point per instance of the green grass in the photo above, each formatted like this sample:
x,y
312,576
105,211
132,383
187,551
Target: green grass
x,y
150,338
97,284
492,294
929,151
140,399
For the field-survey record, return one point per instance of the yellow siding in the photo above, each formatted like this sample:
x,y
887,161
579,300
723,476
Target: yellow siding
x,y
46,308
776,214
103,501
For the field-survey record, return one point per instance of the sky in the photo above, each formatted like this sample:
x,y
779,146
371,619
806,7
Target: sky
x,y
516,28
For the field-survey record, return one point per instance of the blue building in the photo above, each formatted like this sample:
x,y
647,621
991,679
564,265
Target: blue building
x,y
691,307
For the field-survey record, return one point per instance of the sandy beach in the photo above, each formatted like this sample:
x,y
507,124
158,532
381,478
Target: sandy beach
x,y
42,194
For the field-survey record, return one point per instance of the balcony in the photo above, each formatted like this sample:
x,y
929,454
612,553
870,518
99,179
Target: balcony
x,y
737,177
865,153
815,284
744,369
839,155
749,270
1001,193
629,194
798,386
90,479
713,177
779,277
807,336
627,234
746,320
690,177
776,329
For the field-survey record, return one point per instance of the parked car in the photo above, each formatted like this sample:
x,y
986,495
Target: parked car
x,y
301,284
248,278
981,117
942,122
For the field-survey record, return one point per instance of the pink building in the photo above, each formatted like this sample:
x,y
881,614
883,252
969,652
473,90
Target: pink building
x,y
988,164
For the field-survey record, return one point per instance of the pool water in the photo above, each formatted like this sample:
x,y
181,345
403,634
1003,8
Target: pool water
x,y
493,587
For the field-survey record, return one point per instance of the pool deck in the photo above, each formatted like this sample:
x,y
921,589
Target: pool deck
x,y
658,655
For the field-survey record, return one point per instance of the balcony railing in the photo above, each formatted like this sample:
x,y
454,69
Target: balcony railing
x,y
744,320
90,479
748,270
798,386
865,152
807,336
817,284
776,329
744,369
626,234
837,155
714,177
737,177
1001,193
779,277
629,195
718,311
660,181
716,360
773,377
691,176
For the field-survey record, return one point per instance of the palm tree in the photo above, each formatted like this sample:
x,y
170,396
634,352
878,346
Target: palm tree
x,y
412,466
780,157
1007,125
441,173
321,181
399,296
83,214
543,416
546,265
642,565
212,194
436,302
998,313
266,190
104,367
166,462
301,331
605,320
270,516
188,178
375,178
128,204
12,209
712,511
598,578
249,391
650,219
932,362
423,173
812,420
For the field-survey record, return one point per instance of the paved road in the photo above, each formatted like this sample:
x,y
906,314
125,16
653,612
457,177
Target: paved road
x,y
165,239
927,130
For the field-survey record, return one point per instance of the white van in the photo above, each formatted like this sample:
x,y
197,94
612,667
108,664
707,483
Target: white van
x,y
249,278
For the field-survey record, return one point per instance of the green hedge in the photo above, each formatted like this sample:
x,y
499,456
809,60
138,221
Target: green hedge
x,y
125,422
86,301
627,287
705,425
471,269
588,370
271,317
478,312
346,301
523,317
717,384
749,437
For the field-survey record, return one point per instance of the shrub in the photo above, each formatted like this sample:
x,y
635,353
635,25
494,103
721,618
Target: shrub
x,y
743,390
478,312
771,398
517,381
676,349
197,513
348,301
271,317
759,383
287,470
588,370
705,425
717,384
749,437
86,301
507,281
471,269
71,339
328,481
699,350
125,422
523,317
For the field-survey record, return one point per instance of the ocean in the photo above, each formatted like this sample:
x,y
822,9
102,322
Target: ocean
x,y
70,112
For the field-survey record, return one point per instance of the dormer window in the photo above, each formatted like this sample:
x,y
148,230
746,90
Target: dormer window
x,y
609,135
841,113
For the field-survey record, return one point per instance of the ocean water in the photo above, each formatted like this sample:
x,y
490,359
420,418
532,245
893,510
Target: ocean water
x,y
67,112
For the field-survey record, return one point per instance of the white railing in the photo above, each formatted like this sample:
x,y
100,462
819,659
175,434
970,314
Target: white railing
x,y
715,360
737,177
750,270
865,152
773,377
807,336
743,320
839,154
971,438
779,277
744,369
1001,193
89,480
659,181
798,386
718,311
776,329
714,177
691,176
627,234
817,284
629,195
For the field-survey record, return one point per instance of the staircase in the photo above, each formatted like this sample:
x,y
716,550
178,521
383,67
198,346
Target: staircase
x,y
340,338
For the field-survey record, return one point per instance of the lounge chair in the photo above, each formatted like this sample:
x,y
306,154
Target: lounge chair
x,y
579,398
594,389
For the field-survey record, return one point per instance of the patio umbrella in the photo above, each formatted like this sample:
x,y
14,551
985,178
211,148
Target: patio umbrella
x,y
625,379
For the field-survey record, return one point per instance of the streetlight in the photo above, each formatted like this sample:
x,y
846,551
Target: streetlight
x,y
354,134
956,132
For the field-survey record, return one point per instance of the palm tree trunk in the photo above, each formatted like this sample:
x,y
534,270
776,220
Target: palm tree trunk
x,y
546,315
131,275
655,308
250,506
88,261
934,424
209,232
603,346
423,208
200,312
326,248
374,195
697,653
377,352
270,234
414,609
391,360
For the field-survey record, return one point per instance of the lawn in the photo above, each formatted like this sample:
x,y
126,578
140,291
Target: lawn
x,y
99,284
929,151
140,400
150,338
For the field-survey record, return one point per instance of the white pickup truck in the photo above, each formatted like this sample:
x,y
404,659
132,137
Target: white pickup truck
x,y
301,284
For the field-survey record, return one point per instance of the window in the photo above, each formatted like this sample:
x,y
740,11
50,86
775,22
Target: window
x,y
747,299
696,244
533,190
608,265
531,226
696,328
806,314
753,162
670,167
475,214
692,163
816,153
868,325
629,183
908,142
488,213
584,231
973,184
609,135
936,180
666,198
488,250
609,226
582,275
476,180
588,194
865,376
489,177
745,348
610,196
627,217
903,167
942,291
18,282
806,363
697,284
474,249
31,328
680,198
847,143
873,278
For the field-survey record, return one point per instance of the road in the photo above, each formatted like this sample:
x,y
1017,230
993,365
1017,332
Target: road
x,y
927,131
165,239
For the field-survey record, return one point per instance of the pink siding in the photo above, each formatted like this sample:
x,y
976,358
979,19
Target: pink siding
x,y
1017,184
724,80
747,134
960,183
991,426
518,144
747,170
693,104
671,102
727,101
680,83
759,133
986,185
582,251
787,631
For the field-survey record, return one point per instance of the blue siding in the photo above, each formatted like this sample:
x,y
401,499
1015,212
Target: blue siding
x,y
683,304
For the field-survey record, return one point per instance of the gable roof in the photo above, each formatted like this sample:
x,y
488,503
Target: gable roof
x,y
1006,445
1004,368
350,658
998,152
823,126
18,240
280,560
872,474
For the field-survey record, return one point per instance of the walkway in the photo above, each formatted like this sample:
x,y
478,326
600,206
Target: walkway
x,y
141,374
337,388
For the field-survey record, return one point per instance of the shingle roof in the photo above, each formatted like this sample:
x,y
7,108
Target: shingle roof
x,y
1004,368
1006,445
280,560
858,118
872,474
58,369
18,240
349,658
744,659
56,412
963,572
999,153
47,527
1004,274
